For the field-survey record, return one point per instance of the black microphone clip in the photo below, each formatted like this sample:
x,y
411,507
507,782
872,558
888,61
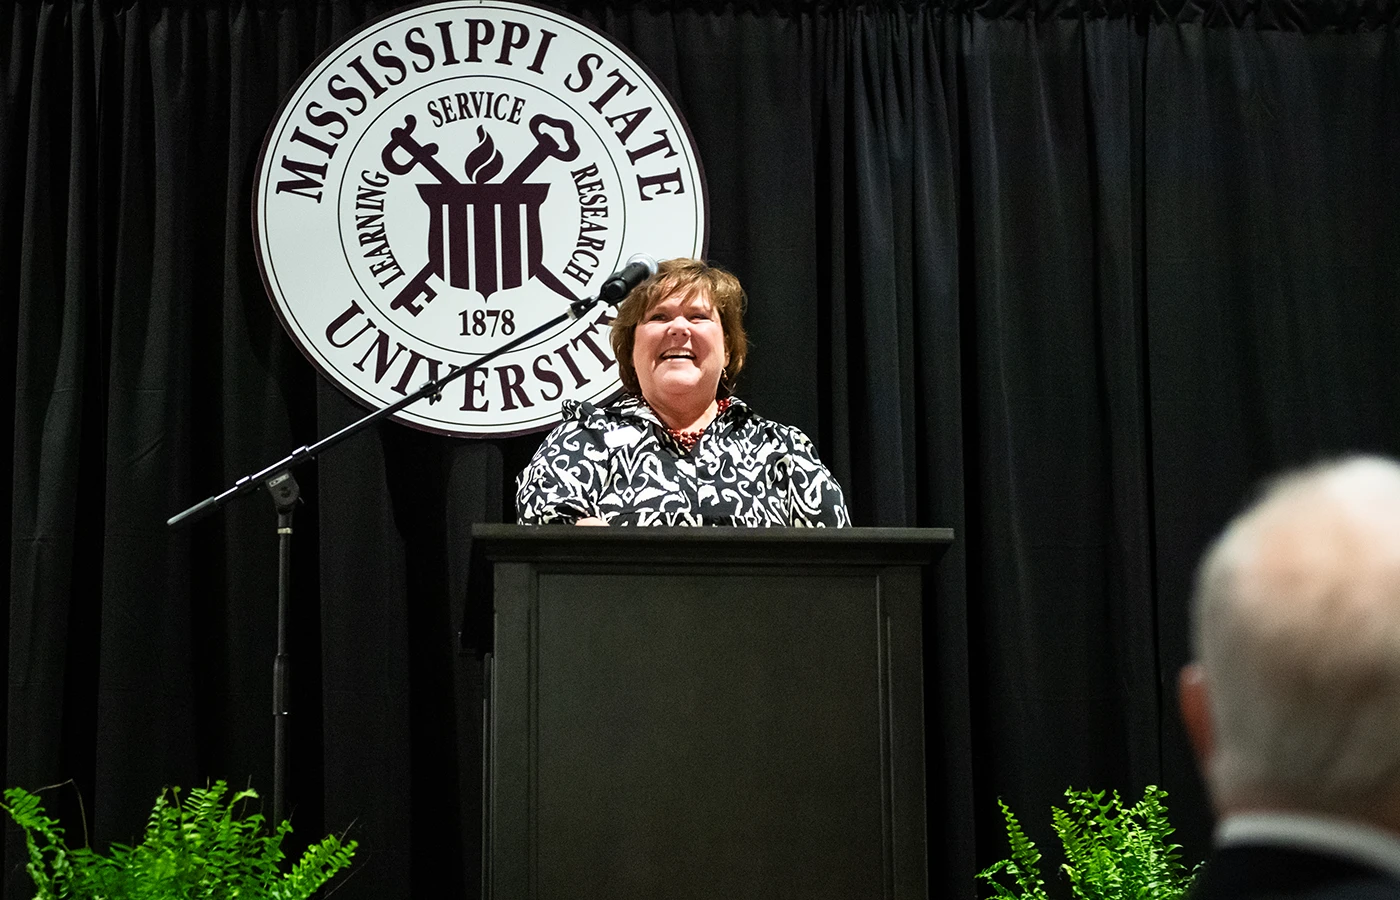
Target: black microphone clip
x,y
622,282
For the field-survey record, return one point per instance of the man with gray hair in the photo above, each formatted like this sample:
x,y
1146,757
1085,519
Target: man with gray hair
x,y
1293,702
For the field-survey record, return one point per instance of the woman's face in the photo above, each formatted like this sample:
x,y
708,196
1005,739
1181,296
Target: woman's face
x,y
678,349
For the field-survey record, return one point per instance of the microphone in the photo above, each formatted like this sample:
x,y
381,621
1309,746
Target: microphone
x,y
621,283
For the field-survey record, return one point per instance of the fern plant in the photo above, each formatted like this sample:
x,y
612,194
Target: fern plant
x,y
1112,852
198,846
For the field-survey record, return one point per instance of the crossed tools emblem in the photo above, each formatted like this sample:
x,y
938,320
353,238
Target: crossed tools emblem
x,y
464,236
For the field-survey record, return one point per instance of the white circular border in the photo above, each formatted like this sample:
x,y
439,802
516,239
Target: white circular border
x,y
306,317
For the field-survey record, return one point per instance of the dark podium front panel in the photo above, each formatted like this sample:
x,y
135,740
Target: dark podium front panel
x,y
708,713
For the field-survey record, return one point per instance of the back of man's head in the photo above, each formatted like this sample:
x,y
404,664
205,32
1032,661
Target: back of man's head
x,y
1296,632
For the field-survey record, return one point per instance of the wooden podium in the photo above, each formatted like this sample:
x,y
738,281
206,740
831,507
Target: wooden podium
x,y
709,713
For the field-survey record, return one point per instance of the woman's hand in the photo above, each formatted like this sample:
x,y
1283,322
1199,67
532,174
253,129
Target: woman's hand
x,y
590,520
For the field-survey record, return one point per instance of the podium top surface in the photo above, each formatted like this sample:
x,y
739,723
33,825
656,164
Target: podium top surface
x,y
570,543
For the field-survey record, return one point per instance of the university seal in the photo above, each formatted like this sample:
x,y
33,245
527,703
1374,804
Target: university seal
x,y
454,175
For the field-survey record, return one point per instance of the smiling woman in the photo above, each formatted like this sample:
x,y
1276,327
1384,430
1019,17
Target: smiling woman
x,y
680,449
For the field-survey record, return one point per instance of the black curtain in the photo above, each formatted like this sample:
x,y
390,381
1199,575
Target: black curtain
x,y
1066,276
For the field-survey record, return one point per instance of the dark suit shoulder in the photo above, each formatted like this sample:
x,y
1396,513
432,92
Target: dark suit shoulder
x,y
1280,873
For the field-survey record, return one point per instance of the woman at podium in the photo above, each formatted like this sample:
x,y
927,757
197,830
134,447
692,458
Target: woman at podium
x,y
680,448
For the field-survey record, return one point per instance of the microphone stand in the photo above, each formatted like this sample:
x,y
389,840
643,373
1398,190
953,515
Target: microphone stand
x,y
278,480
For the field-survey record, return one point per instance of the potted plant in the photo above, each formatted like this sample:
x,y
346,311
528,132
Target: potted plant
x,y
1111,851
196,845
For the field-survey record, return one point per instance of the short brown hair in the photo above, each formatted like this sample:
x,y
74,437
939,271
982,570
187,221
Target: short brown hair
x,y
681,276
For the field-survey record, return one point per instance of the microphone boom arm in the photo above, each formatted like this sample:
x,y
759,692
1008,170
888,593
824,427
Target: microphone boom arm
x,y
431,389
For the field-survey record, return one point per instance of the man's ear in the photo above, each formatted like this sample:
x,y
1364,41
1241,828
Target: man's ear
x,y
1193,696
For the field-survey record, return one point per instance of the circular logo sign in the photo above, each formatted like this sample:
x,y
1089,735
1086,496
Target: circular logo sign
x,y
450,179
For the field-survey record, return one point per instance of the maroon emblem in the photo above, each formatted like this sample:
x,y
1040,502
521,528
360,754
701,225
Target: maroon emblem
x,y
470,222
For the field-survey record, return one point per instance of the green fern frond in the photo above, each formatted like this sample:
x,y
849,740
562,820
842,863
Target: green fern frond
x,y
1023,866
1112,851
196,845
316,867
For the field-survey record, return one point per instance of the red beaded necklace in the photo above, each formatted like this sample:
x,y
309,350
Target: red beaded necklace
x,y
688,439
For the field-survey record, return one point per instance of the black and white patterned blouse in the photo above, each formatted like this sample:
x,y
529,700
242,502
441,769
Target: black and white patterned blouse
x,y
619,464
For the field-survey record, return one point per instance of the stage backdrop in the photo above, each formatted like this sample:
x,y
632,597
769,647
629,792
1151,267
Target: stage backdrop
x,y
1067,276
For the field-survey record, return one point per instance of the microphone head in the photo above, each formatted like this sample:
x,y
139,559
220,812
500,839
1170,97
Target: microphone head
x,y
638,269
643,259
